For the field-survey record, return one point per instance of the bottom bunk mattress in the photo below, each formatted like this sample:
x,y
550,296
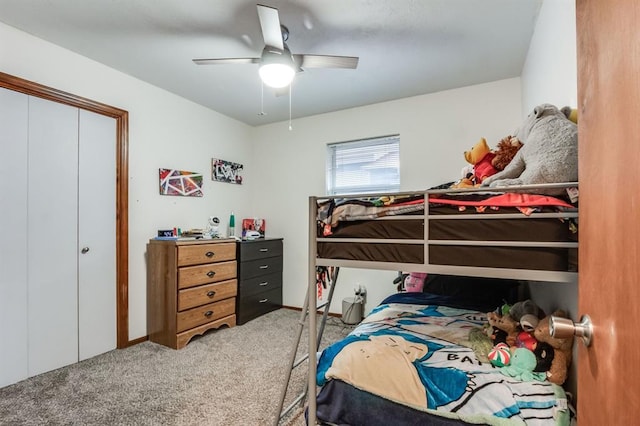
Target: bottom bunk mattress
x,y
411,361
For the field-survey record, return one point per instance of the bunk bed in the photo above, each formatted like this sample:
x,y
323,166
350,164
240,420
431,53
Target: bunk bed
x,y
499,233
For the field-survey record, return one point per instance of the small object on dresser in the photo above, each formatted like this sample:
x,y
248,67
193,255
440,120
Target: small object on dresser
x,y
232,225
195,233
165,233
253,228
212,229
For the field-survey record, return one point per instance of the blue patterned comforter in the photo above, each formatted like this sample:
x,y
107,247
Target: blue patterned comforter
x,y
420,356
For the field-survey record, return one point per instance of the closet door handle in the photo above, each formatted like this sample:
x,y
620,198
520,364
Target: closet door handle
x,y
208,314
209,254
84,250
264,301
210,274
211,293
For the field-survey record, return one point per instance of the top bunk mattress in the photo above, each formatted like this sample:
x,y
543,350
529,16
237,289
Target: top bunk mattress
x,y
472,231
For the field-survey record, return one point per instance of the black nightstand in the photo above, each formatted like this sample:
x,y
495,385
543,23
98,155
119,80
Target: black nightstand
x,y
259,278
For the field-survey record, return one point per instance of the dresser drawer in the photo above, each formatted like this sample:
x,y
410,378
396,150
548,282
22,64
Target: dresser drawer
x,y
259,284
198,254
258,304
203,274
260,249
201,295
260,267
204,314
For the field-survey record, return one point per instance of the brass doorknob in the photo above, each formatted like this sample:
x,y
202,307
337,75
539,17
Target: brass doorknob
x,y
564,327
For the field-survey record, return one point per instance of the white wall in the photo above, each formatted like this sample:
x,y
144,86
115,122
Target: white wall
x,y
550,75
550,72
434,131
164,131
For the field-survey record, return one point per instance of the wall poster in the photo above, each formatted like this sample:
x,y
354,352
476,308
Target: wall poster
x,y
226,171
180,182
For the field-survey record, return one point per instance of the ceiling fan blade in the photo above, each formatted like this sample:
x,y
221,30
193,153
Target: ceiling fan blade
x,y
326,61
226,61
270,23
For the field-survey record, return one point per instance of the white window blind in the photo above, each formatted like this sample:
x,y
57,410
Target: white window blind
x,y
364,166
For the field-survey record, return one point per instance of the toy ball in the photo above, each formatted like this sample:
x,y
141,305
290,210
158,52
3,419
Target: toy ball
x,y
500,355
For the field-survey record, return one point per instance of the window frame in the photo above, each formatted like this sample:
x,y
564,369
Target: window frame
x,y
331,168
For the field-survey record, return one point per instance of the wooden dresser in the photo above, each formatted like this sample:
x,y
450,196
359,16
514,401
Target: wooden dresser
x,y
191,288
259,278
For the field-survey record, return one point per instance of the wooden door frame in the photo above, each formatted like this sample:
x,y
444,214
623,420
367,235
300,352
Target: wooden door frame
x,y
122,185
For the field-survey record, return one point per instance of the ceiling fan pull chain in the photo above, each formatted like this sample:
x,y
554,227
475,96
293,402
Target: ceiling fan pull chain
x,y
290,84
262,99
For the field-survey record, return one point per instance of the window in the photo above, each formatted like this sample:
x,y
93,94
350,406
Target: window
x,y
364,166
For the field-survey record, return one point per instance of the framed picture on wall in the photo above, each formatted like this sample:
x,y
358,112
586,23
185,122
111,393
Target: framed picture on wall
x,y
226,171
180,182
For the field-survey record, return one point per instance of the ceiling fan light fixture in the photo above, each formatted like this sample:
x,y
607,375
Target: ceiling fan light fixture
x,y
276,75
276,67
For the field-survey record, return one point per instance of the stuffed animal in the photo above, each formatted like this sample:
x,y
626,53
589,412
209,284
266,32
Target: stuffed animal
x,y
562,348
527,314
549,153
522,366
505,151
544,357
415,282
480,156
505,324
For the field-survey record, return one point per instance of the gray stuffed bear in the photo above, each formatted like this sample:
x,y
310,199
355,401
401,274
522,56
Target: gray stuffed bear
x,y
549,154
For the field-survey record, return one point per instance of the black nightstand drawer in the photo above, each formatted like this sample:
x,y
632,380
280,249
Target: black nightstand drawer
x,y
260,267
260,284
260,249
258,304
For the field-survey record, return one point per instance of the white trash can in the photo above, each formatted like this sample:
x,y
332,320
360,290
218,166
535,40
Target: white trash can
x,y
351,310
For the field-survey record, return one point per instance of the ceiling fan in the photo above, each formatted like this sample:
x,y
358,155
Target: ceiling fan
x,y
278,65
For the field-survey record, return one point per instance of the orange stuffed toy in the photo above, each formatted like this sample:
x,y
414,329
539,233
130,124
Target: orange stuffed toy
x,y
479,156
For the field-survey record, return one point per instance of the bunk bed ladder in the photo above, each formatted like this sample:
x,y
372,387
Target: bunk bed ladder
x,y
293,363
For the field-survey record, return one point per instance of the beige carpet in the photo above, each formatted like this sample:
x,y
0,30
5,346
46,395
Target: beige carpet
x,y
231,376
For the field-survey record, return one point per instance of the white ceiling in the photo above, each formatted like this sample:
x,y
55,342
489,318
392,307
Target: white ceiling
x,y
406,47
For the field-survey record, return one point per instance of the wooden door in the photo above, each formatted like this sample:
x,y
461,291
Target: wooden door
x,y
608,48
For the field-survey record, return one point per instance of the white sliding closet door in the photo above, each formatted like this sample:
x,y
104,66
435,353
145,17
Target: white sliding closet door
x,y
13,244
52,235
97,235
57,193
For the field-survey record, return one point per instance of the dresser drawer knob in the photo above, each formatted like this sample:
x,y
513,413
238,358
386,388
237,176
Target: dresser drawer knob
x,y
264,250
211,293
210,274
264,300
264,267
208,314
209,254
263,283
